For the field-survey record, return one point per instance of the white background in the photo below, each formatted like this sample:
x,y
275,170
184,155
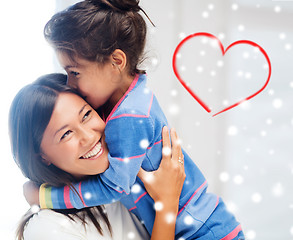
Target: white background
x,y
246,153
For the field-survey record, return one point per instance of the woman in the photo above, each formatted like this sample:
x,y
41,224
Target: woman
x,y
58,139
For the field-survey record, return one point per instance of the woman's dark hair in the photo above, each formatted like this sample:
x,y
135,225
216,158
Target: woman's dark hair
x,y
93,29
29,116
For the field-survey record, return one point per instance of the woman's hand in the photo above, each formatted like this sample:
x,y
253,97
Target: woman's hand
x,y
164,185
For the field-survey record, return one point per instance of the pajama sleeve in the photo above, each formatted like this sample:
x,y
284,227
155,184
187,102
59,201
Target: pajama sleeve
x,y
128,136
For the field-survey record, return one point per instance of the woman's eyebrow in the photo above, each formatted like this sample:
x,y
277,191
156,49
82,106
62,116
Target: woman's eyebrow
x,y
83,108
66,125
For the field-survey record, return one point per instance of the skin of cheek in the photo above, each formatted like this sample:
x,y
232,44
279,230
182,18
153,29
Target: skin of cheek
x,y
67,159
84,135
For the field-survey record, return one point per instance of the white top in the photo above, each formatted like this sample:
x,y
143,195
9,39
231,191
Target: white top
x,y
49,225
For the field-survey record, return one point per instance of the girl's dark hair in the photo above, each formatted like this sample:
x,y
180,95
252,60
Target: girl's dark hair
x,y
93,29
29,116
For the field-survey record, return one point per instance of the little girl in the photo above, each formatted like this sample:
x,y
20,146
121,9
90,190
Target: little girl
x,y
100,43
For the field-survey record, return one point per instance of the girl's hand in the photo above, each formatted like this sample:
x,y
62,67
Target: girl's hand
x,y
31,193
165,184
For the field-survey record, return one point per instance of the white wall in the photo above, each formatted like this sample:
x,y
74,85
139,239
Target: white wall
x,y
245,153
25,56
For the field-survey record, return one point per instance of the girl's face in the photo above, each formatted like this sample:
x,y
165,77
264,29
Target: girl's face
x,y
74,139
97,83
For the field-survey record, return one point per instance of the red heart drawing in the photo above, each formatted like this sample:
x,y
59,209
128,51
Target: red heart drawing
x,y
200,101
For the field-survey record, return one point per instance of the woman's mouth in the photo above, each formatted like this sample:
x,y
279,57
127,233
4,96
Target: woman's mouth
x,y
95,152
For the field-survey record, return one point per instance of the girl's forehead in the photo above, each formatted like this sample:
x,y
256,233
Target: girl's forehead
x,y
74,61
64,58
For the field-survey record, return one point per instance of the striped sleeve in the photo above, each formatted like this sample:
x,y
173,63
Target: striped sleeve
x,y
45,196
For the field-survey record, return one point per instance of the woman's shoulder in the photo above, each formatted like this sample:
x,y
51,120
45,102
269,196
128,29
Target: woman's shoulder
x,y
47,224
50,225
127,225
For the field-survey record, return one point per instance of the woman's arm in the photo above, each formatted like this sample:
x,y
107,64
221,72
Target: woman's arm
x,y
164,186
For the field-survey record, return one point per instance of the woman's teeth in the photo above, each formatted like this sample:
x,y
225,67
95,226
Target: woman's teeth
x,y
94,151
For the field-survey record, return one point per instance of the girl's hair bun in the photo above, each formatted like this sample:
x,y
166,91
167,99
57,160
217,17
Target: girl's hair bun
x,y
120,5
117,5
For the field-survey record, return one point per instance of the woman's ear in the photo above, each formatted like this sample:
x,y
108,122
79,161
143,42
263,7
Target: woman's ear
x,y
119,59
45,160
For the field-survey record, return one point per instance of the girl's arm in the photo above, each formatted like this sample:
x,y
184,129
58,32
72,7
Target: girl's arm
x,y
164,186
124,137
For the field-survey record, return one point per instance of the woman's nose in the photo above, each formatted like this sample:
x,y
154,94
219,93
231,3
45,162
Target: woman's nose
x,y
86,136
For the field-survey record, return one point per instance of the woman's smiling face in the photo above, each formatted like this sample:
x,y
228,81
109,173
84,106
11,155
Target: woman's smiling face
x,y
74,139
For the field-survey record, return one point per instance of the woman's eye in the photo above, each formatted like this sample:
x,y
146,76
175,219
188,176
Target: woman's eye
x,y
65,134
88,113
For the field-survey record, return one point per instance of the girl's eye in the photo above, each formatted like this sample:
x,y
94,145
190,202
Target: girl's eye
x,y
65,134
74,73
88,113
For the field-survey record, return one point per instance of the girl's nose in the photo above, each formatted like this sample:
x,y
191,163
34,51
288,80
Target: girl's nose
x,y
70,82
